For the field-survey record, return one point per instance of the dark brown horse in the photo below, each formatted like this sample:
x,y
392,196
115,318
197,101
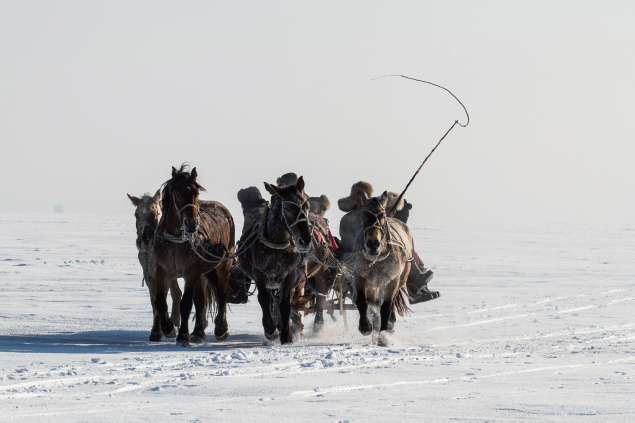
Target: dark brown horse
x,y
273,252
192,238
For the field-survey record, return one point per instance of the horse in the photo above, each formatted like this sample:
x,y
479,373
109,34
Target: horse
x,y
147,215
193,241
273,253
383,255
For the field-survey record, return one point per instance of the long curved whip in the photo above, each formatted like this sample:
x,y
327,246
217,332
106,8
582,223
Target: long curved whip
x,y
456,122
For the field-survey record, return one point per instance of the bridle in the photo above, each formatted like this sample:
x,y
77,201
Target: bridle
x,y
144,224
376,224
385,235
300,217
179,210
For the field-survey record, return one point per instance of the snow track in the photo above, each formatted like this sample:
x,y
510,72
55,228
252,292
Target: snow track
x,y
534,322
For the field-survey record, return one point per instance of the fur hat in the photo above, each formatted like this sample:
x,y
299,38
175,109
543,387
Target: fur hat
x,y
250,197
349,203
319,205
287,179
392,198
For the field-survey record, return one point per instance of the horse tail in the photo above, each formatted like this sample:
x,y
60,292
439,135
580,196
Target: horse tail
x,y
210,291
400,305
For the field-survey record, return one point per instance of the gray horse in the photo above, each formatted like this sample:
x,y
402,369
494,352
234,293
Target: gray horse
x,y
147,215
383,255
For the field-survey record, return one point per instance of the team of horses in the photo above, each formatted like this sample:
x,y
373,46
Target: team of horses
x,y
285,253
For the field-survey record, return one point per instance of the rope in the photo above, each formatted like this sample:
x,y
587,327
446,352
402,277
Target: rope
x,y
195,239
456,122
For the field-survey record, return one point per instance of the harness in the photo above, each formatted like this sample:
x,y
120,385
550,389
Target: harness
x,y
178,211
386,237
301,217
144,250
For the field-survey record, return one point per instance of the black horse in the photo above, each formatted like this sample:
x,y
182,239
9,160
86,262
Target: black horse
x,y
273,253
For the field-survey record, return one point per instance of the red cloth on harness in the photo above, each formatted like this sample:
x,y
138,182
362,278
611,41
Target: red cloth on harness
x,y
333,243
417,259
318,236
331,238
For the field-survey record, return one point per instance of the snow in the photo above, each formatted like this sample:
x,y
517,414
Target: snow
x,y
534,322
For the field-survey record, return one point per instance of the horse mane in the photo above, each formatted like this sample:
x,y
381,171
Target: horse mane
x,y
182,175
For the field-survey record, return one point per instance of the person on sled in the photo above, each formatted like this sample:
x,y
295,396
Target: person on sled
x,y
352,205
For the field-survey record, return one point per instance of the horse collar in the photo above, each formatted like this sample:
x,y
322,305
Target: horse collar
x,y
263,229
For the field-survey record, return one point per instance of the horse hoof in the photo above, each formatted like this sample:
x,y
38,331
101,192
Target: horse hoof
x,y
267,343
156,337
183,342
272,336
286,340
168,329
365,328
197,339
222,337
382,340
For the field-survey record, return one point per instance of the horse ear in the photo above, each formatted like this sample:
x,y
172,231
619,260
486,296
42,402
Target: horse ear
x,y
384,199
300,184
135,200
174,172
194,174
275,190
269,189
157,195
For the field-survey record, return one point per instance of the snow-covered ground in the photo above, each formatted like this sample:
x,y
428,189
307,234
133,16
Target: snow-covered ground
x,y
534,322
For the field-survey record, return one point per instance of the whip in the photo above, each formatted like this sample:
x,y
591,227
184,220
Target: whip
x,y
456,122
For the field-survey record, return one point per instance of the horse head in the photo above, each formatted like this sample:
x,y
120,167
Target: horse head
x,y
147,214
374,223
294,207
180,198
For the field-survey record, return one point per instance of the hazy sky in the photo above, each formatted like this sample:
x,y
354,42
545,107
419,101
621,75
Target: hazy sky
x,y
100,99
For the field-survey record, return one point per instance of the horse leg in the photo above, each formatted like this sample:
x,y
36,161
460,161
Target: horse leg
x,y
264,299
392,319
320,285
175,293
223,272
385,312
286,337
201,298
186,308
296,317
362,305
155,332
167,327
